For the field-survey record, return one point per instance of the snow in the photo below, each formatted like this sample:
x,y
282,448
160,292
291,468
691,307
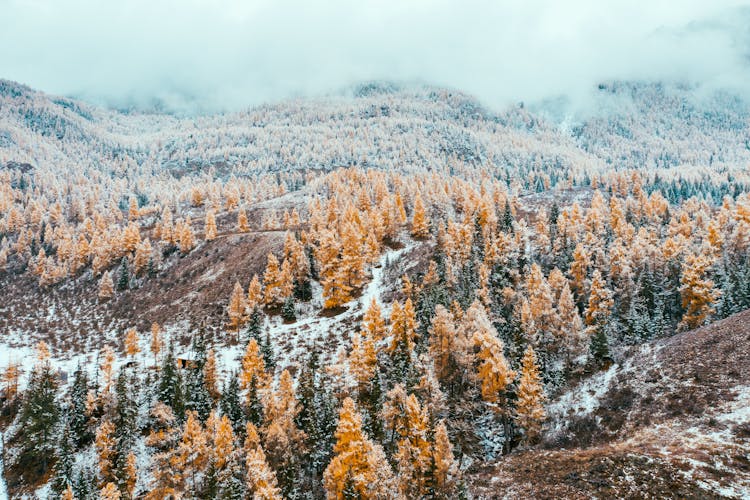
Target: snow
x,y
292,341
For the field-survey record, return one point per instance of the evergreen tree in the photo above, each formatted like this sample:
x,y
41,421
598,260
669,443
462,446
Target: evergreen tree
x,y
79,423
170,384
123,279
38,419
288,311
63,477
231,406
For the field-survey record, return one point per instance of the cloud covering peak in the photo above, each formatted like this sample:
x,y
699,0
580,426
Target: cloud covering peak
x,y
236,53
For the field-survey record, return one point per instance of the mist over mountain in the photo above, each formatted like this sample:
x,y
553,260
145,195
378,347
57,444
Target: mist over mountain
x,y
198,56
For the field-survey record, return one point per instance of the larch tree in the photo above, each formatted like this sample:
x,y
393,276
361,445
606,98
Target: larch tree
x,y
105,445
600,302
210,376
373,322
579,271
414,452
494,371
242,224
210,226
446,471
187,240
237,308
106,286
254,293
254,379
363,361
191,456
697,291
110,492
420,225
274,282
156,342
570,327
359,466
530,413
131,342
260,479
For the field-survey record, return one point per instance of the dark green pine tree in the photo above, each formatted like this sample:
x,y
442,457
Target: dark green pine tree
x,y
317,419
170,385
255,326
124,276
197,397
80,426
38,421
288,311
254,410
84,487
231,406
600,346
506,222
230,484
126,412
269,358
63,475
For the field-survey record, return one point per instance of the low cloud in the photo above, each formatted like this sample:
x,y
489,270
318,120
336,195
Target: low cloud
x,y
199,54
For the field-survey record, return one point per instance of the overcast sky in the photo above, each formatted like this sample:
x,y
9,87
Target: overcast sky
x,y
232,54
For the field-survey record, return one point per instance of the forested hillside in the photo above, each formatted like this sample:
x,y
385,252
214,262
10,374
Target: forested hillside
x,y
389,293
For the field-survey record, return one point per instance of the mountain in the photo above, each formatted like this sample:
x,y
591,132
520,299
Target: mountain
x,y
530,302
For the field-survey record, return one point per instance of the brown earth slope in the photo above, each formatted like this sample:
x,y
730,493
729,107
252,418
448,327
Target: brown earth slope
x,y
670,421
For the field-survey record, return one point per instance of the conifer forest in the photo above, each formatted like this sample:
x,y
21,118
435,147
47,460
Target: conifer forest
x,y
392,290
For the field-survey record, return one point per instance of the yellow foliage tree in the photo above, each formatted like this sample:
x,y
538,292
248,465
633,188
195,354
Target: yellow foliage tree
x,y
105,450
106,286
254,293
210,226
530,412
156,342
697,291
420,225
242,224
358,463
131,342
373,323
237,308
261,479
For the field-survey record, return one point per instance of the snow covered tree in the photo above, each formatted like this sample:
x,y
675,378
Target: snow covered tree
x,y
237,308
446,471
359,466
156,342
420,225
106,286
242,224
105,450
261,479
210,226
131,342
699,295
530,412
39,414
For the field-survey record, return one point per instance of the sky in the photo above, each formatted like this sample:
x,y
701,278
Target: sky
x,y
231,54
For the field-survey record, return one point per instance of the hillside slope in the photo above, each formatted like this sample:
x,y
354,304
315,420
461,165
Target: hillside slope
x,y
671,421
